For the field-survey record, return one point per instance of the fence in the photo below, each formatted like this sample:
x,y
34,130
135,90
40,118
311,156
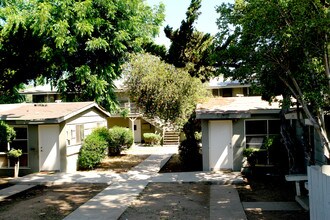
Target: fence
x,y
319,192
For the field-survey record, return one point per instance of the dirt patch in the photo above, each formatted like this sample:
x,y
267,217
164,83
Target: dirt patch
x,y
48,202
277,215
266,188
121,163
269,189
171,201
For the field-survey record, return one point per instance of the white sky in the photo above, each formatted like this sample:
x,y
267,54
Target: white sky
x,y
175,11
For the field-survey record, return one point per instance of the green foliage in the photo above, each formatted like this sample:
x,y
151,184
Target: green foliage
x,y
161,90
189,151
120,139
93,149
124,113
283,48
7,133
190,49
78,45
278,44
15,153
11,95
248,152
152,138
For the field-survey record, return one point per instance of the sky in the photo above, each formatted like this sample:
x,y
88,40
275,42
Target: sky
x,y
175,12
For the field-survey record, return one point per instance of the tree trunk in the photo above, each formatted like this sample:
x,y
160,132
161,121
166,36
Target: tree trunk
x,y
293,146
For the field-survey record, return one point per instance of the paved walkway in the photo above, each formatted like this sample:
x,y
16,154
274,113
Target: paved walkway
x,y
124,188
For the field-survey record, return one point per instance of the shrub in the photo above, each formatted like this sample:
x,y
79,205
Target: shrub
x,y
93,149
120,138
190,155
15,153
7,133
152,138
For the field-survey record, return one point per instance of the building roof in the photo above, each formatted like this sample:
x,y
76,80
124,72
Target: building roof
x,y
221,82
45,112
40,89
235,107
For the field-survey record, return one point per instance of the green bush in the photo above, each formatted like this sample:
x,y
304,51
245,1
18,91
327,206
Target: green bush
x,y
152,138
15,153
190,156
120,138
93,149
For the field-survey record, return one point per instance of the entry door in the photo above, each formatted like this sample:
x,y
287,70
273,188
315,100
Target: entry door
x,y
220,148
137,131
49,154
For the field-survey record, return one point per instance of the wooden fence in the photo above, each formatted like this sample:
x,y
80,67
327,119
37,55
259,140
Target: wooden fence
x,y
319,192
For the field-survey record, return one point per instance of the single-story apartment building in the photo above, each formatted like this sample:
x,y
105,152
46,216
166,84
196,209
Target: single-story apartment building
x,y
231,124
49,134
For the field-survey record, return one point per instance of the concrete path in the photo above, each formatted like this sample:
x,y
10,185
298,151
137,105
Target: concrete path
x,y
9,191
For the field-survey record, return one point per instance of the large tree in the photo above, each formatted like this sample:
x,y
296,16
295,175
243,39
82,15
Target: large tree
x,y
283,47
189,47
162,90
78,45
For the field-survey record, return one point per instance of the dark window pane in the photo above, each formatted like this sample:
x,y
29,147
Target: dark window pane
x,y
23,161
21,133
3,147
19,145
256,127
274,126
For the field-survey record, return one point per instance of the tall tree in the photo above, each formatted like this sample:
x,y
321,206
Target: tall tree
x,y
78,45
190,48
162,90
283,47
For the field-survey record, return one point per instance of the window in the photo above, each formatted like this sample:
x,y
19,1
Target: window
x,y
75,134
257,130
20,142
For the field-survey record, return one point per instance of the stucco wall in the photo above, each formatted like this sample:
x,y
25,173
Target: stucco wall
x,y
121,122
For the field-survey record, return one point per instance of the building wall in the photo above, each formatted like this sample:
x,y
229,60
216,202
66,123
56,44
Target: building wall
x,y
70,146
121,122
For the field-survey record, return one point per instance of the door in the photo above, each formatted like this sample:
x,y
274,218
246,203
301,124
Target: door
x,y
137,131
220,148
49,154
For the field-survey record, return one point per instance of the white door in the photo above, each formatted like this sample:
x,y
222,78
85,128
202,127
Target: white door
x,y
49,154
137,131
220,148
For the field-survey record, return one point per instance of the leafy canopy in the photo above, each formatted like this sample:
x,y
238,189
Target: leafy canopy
x,y
162,90
283,47
78,45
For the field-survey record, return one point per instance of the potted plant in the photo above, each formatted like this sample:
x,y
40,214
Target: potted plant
x,y
15,154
